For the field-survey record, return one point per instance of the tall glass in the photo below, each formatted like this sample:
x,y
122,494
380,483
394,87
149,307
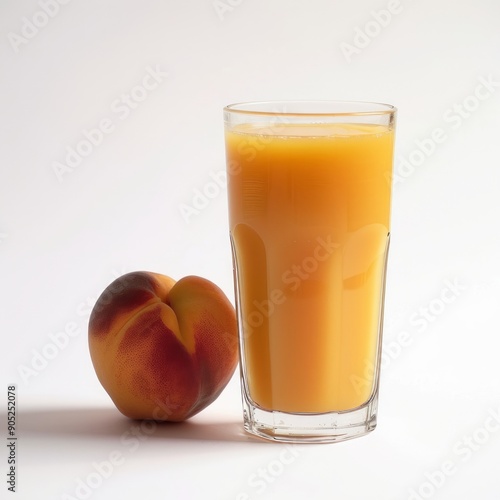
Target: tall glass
x,y
309,186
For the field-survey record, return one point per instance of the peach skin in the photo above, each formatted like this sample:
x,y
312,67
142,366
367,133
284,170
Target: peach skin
x,y
163,350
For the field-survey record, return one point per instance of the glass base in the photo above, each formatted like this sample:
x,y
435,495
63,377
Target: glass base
x,y
309,427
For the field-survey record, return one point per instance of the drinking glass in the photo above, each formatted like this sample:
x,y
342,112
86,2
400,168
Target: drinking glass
x,y
309,192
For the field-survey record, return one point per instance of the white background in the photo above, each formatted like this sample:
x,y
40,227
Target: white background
x,y
64,236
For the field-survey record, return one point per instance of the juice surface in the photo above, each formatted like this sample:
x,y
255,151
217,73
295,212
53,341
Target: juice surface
x,y
309,209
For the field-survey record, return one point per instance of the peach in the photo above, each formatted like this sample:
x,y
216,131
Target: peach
x,y
163,350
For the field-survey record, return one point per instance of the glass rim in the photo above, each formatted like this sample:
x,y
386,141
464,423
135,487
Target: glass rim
x,y
372,108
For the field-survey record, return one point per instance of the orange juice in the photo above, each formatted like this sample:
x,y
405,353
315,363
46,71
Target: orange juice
x,y
309,209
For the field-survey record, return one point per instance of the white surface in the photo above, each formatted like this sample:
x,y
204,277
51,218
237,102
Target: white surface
x,y
62,242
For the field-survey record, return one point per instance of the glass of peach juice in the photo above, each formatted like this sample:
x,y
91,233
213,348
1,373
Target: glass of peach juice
x,y
309,193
